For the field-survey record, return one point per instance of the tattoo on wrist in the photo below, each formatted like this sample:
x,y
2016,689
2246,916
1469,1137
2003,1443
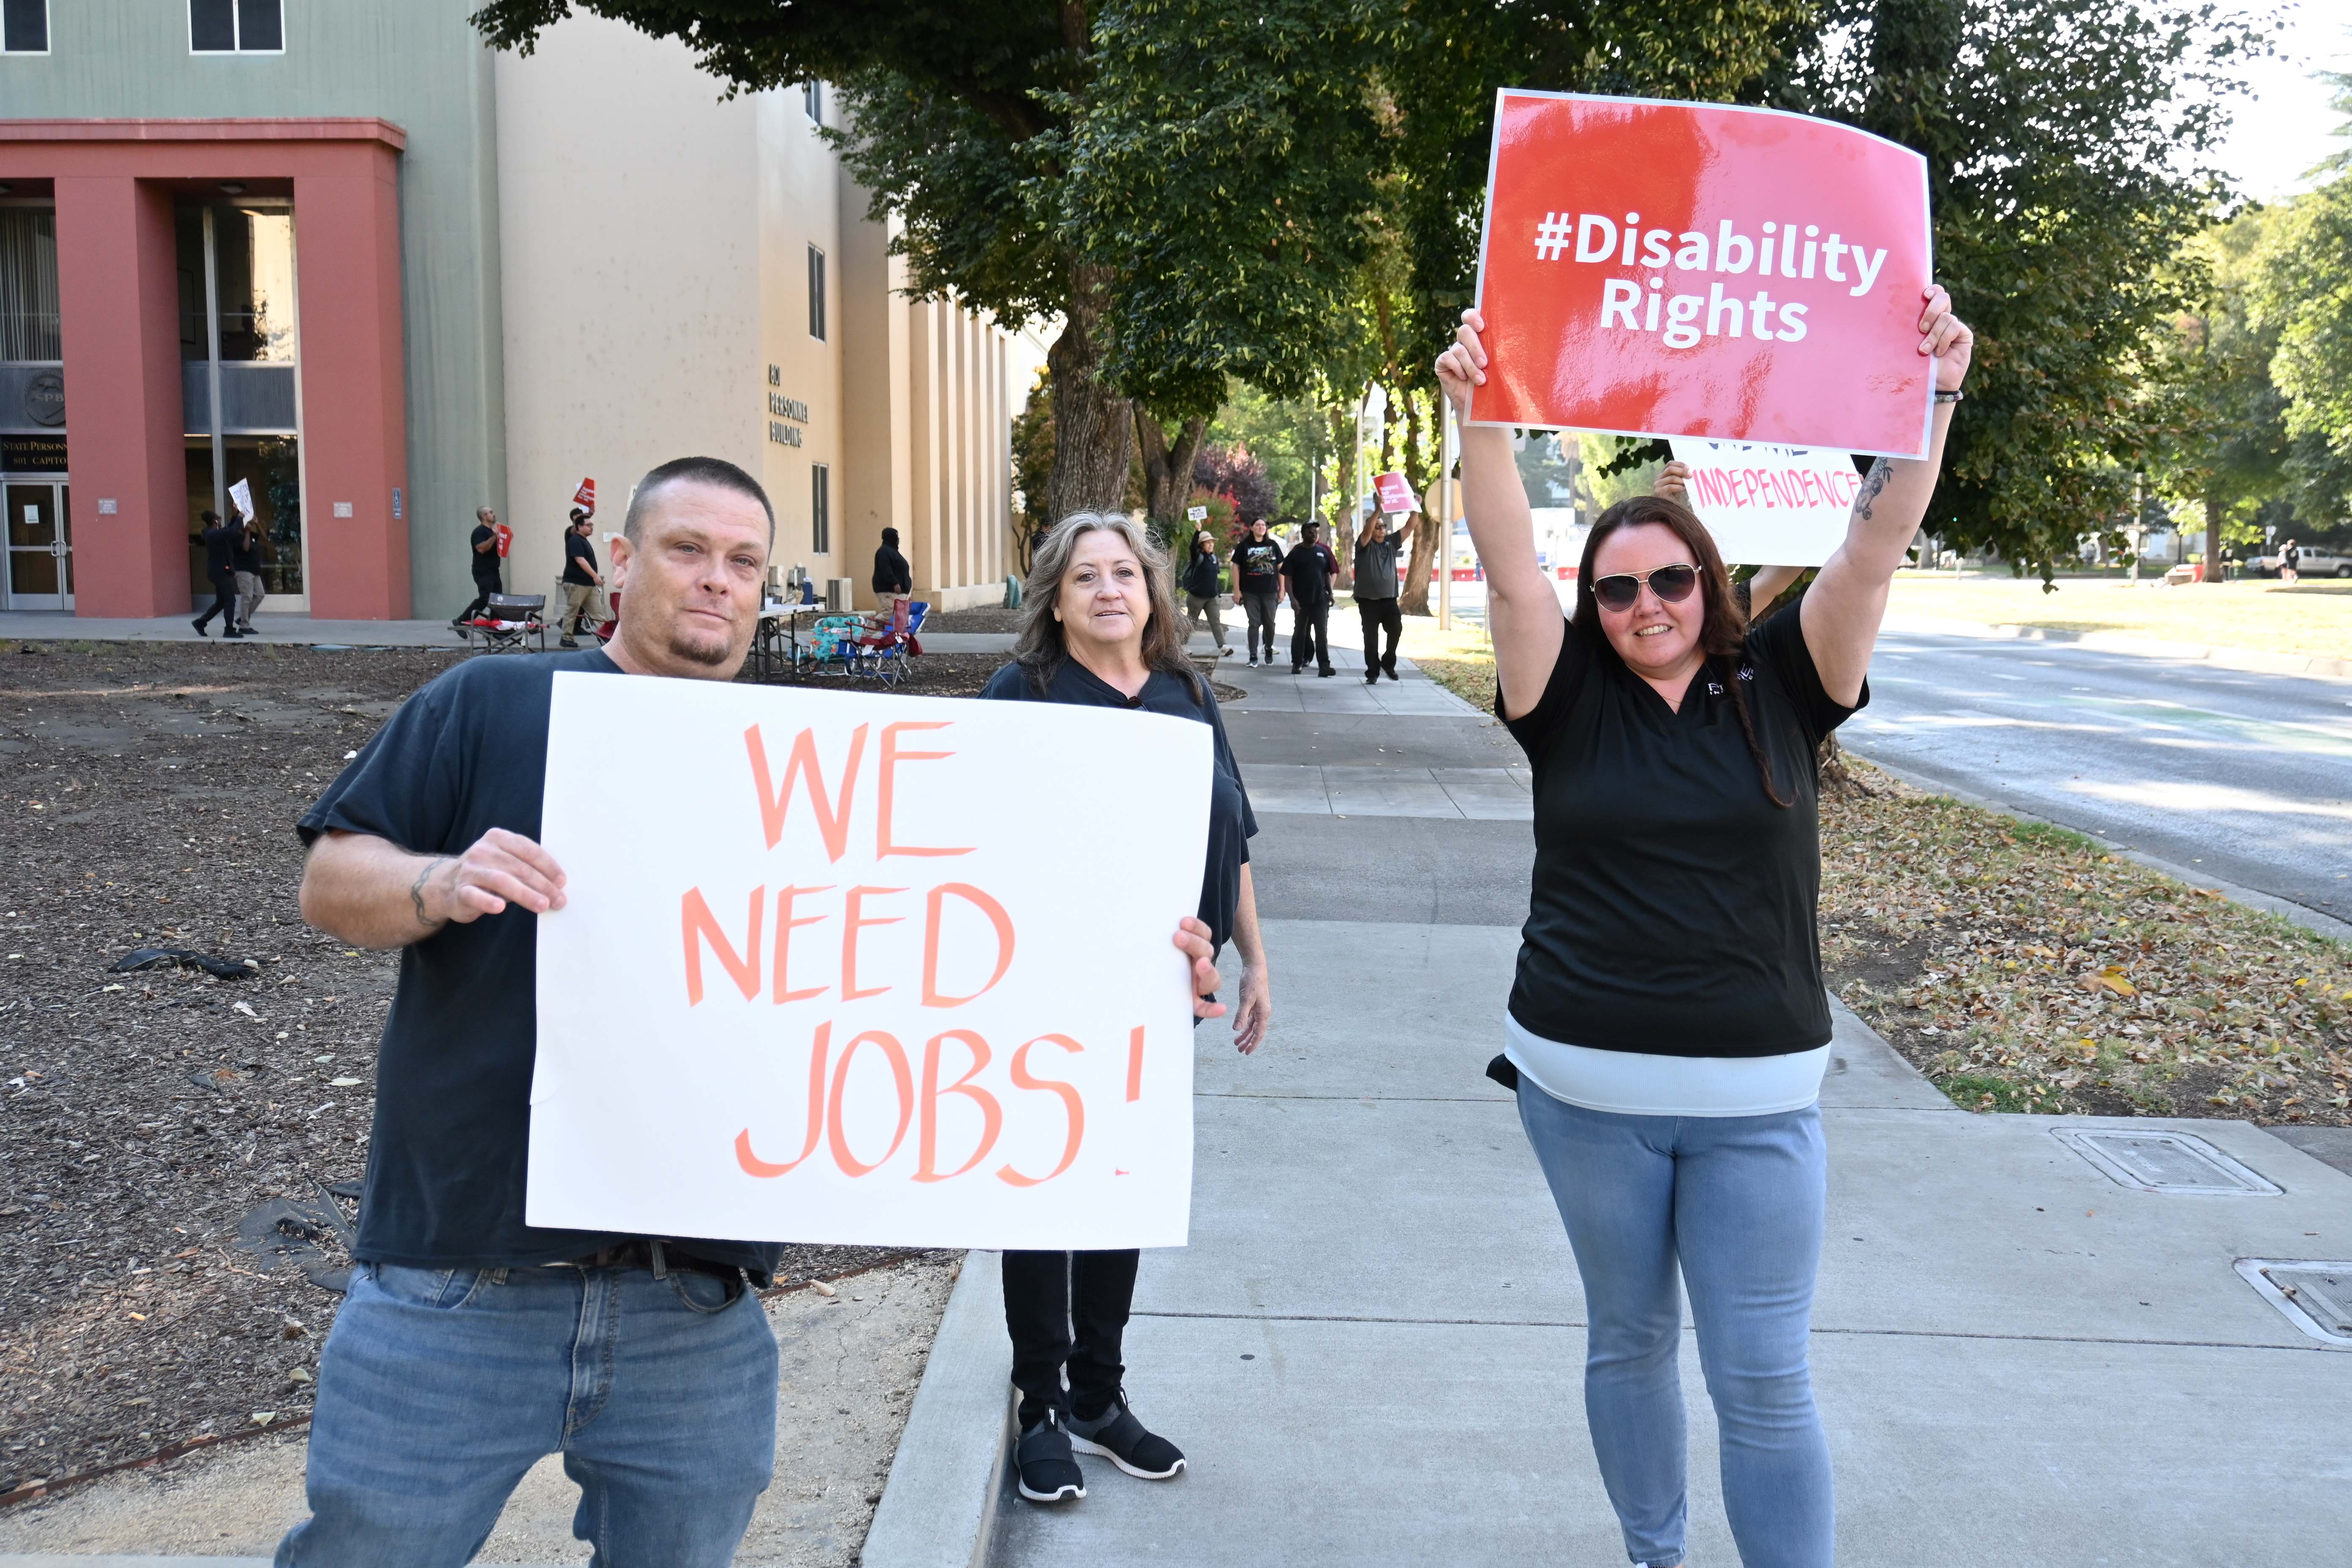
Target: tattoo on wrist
x,y
1872,482
417,888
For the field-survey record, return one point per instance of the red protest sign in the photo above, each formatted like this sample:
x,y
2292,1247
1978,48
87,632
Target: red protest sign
x,y
1654,269
1394,490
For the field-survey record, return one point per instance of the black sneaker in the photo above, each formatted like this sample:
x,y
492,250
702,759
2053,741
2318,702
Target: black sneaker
x,y
1120,1437
1373,679
200,629
1048,1471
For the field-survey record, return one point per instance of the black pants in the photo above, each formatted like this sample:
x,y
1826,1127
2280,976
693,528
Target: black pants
x,y
1377,614
483,588
1310,634
224,601
1259,610
1067,1309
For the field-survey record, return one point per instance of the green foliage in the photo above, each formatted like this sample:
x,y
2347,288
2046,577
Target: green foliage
x,y
1033,465
2062,139
1285,434
2301,292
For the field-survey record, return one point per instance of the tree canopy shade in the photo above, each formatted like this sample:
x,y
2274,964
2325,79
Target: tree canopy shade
x,y
1183,181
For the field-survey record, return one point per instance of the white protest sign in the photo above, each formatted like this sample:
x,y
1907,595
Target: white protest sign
x,y
1197,514
240,495
1769,505
852,968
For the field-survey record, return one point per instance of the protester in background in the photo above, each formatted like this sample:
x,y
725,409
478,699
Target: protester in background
x,y
220,571
894,579
2290,562
1257,584
1201,575
1667,1029
1306,574
484,543
1761,587
581,578
1376,597
1098,628
247,562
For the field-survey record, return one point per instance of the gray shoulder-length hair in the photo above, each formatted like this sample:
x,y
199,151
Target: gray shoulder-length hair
x,y
1039,648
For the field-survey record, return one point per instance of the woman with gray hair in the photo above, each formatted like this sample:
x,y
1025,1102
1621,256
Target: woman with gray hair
x,y
1099,627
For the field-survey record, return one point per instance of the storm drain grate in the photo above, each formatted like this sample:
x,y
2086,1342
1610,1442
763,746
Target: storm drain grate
x,y
2316,1297
2159,1162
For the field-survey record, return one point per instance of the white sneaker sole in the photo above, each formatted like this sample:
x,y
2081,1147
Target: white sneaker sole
x,y
1066,1494
1084,1446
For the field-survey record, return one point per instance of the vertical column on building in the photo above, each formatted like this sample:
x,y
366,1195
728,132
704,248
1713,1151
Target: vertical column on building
x,y
923,435
118,294
354,415
875,390
1000,447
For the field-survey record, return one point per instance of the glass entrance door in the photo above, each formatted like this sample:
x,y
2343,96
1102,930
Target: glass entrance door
x,y
39,574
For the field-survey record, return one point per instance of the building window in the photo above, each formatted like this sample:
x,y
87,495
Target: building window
x,y
24,26
812,101
236,27
820,509
816,293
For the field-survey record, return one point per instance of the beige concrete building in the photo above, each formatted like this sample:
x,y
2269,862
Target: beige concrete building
x,y
681,273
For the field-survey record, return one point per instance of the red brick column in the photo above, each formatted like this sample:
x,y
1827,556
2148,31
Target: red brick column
x,y
117,291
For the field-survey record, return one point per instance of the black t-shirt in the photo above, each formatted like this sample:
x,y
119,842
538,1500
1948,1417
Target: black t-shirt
x,y
1674,906
1310,568
447,1159
1232,824
1257,565
579,559
247,550
486,561
1201,573
220,549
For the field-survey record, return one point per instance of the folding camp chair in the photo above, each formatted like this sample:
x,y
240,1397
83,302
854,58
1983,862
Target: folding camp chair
x,y
508,621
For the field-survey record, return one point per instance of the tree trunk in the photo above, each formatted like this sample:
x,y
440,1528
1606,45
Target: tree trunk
x,y
2212,539
1167,468
1092,426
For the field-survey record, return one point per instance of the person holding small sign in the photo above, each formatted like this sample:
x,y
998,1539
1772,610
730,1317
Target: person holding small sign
x,y
1667,1030
1769,581
473,1342
1201,575
1099,627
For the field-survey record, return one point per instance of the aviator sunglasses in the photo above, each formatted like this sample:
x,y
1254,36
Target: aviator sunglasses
x,y
1671,583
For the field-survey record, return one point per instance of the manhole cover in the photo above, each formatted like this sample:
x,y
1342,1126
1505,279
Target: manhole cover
x,y
2316,1297
2157,1162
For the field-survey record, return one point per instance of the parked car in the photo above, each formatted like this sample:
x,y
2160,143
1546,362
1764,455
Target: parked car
x,y
2313,563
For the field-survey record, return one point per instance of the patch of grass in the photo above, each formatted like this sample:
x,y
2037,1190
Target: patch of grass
x,y
2310,617
2035,967
1471,680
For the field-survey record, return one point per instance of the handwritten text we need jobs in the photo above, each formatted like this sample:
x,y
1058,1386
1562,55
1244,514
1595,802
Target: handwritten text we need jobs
x,y
1600,239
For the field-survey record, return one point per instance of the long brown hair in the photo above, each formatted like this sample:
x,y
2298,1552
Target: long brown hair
x,y
1722,625
1040,649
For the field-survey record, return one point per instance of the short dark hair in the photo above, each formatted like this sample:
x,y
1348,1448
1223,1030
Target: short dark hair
x,y
717,472
208,515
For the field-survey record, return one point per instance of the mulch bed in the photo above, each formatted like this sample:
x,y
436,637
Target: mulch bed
x,y
986,618
152,791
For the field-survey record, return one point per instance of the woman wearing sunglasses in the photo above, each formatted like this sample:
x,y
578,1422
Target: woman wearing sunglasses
x,y
1668,1024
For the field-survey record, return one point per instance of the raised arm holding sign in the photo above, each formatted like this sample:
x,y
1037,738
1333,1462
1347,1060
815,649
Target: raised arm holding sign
x,y
1667,1029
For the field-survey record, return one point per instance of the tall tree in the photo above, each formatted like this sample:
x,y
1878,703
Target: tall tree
x,y
2302,295
2063,140
1178,181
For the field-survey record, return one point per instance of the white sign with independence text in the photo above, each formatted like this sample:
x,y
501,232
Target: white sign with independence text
x,y
1769,505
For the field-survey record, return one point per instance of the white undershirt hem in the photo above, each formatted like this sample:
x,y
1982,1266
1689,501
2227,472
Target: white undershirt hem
x,y
1636,1083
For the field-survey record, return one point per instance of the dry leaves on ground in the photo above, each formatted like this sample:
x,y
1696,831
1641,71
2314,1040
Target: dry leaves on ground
x,y
2026,968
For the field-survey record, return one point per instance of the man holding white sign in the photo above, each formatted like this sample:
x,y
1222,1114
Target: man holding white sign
x,y
473,1342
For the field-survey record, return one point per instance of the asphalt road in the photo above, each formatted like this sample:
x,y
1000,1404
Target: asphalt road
x,y
2246,778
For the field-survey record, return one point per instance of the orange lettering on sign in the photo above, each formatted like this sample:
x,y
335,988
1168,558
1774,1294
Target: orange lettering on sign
x,y
755,1166
854,920
991,1114
697,924
1135,1064
784,960
1072,1105
891,758
832,816
996,917
900,1075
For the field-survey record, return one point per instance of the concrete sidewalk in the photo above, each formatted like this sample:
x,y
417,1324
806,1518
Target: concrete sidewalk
x,y
1371,1350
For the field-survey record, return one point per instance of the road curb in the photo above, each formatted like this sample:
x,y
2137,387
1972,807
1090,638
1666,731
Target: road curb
x,y
2287,910
2257,661
939,1504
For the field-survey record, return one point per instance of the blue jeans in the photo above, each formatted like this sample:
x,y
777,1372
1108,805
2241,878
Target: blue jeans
x,y
1738,1202
440,1387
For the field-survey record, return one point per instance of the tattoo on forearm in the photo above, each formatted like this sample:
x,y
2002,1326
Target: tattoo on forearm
x,y
416,890
1872,482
